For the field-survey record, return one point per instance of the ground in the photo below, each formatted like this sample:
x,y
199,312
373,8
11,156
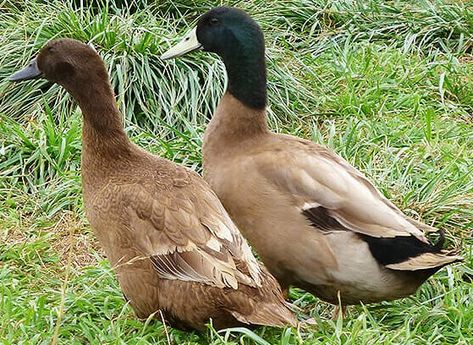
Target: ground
x,y
386,84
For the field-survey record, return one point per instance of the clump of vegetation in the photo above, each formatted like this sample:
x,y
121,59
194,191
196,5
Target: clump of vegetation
x,y
388,85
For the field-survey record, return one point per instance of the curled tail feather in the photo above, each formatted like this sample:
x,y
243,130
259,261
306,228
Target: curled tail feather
x,y
441,241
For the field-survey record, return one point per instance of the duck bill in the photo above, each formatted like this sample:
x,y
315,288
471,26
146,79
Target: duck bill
x,y
29,72
188,44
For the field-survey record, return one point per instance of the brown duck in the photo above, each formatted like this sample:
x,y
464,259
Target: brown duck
x,y
169,239
315,220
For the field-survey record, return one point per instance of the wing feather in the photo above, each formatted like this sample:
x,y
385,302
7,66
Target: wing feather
x,y
189,236
334,196
316,176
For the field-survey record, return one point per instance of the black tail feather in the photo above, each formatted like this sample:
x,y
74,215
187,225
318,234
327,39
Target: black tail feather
x,y
387,250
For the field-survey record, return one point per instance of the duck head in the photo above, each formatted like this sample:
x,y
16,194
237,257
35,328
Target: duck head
x,y
224,31
67,62
79,69
233,35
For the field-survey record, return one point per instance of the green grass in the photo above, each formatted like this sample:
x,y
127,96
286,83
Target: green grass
x,y
386,84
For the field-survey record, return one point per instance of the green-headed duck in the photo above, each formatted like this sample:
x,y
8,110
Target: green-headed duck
x,y
316,221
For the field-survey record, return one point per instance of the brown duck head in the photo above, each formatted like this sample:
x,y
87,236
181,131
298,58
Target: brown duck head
x,y
81,71
67,62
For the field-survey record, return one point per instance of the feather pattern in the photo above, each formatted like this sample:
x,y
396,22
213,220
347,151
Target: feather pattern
x,y
337,197
315,175
195,241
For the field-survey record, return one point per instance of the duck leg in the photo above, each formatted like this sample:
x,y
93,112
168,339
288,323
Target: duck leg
x,y
336,312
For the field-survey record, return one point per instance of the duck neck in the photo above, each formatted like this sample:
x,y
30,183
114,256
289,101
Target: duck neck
x,y
246,70
105,146
234,126
241,113
103,131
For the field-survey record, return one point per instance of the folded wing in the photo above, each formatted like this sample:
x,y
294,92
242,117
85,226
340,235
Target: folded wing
x,y
334,196
189,236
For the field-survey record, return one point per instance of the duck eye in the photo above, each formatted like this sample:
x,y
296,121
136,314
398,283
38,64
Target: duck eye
x,y
213,21
50,49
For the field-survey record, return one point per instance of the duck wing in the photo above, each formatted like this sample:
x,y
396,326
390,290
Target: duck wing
x,y
334,196
188,234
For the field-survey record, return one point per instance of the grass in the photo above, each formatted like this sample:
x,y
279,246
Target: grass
x,y
386,84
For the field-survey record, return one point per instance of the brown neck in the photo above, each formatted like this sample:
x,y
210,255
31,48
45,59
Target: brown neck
x,y
234,124
103,132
